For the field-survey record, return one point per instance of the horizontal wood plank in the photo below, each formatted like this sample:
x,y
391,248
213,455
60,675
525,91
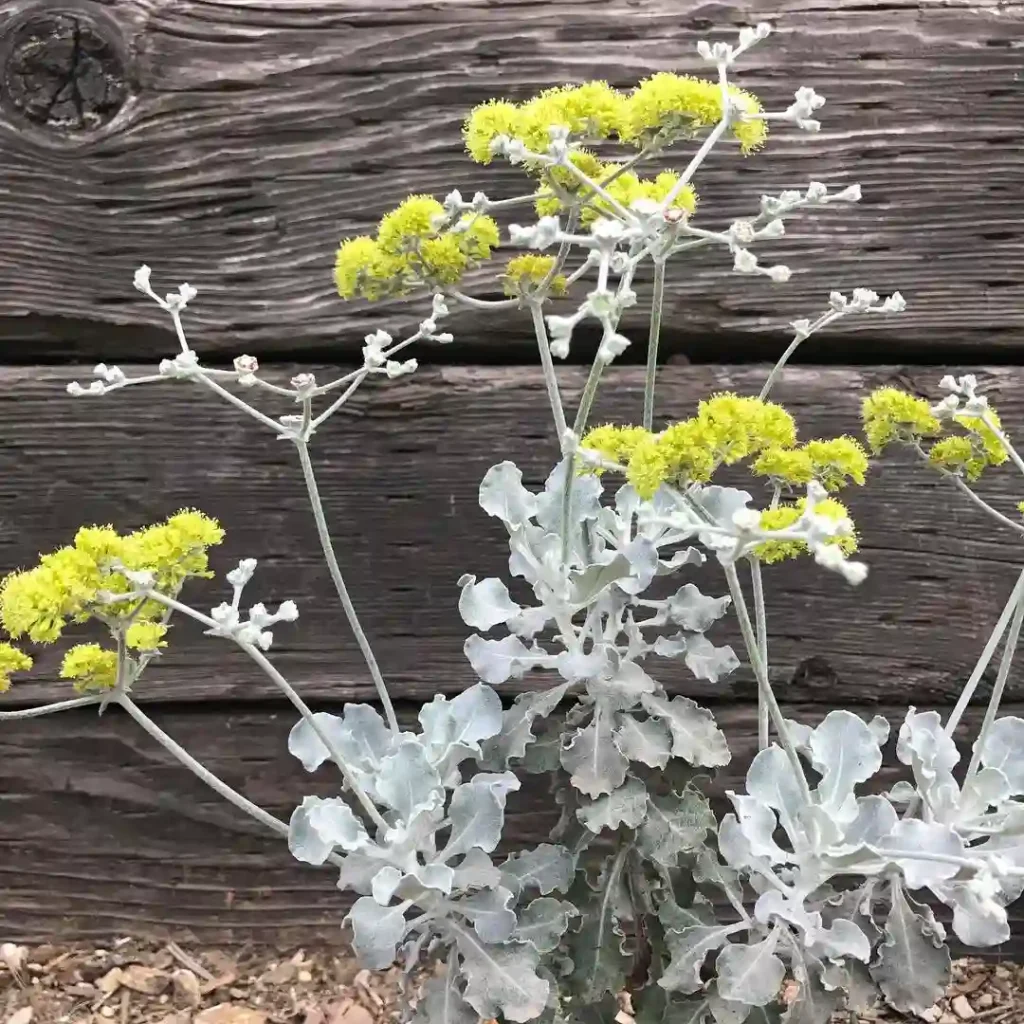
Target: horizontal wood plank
x,y
254,137
103,834
399,473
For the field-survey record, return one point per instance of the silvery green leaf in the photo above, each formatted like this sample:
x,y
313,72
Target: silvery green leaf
x,y
594,764
725,1011
529,622
546,868
689,949
544,754
841,940
624,688
574,666
586,498
408,782
876,818
674,917
653,1005
648,741
924,745
357,873
385,884
814,1002
642,555
695,736
694,611
674,825
589,583
335,822
902,792
758,823
441,1003
497,661
500,980
912,835
477,813
880,729
361,736
979,919
750,973
485,604
517,726
304,744
476,870
679,558
376,932
710,869
543,922
708,662
458,726
598,952
431,876
845,752
491,913
1004,750
503,495
772,779
670,646
304,841
913,964
627,806
720,504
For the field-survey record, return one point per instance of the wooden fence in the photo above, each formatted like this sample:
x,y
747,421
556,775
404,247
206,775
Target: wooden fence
x,y
232,145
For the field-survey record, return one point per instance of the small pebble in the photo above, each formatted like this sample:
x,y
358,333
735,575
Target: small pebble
x,y
107,1011
962,1008
305,977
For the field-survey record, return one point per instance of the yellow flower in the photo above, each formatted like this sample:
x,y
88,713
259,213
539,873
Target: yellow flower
x,y
993,448
671,103
627,188
785,465
614,444
11,660
738,427
524,273
837,461
173,550
412,221
688,450
562,179
893,415
647,469
38,602
783,517
477,235
362,268
593,110
93,668
958,455
146,636
485,123
443,259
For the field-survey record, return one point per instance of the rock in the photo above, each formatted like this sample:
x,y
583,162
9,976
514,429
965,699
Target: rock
x,y
984,1001
111,981
304,976
186,987
230,1013
932,1014
22,1016
280,974
962,1008
150,981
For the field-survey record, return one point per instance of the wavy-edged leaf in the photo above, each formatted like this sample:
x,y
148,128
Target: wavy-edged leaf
x,y
695,736
1004,749
543,922
491,912
689,949
500,980
708,662
627,806
503,495
485,604
376,932
845,752
674,825
408,783
477,813
648,741
547,868
517,726
593,761
750,973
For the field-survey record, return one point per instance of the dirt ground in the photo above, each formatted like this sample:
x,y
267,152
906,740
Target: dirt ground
x,y
133,982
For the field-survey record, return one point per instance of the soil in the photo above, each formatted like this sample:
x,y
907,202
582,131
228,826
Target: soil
x,y
137,982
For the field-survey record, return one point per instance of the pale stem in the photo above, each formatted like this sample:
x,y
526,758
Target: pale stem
x,y
220,787
468,300
653,338
1009,649
760,619
49,709
238,403
289,691
764,686
546,362
1015,598
972,864
342,589
984,505
339,401
597,189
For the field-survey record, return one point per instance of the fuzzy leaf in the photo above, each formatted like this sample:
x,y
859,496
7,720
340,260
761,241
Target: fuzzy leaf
x,y
455,728
517,726
441,1003
814,1003
361,737
593,581
376,932
500,980
648,741
1004,749
477,813
674,825
695,736
750,973
773,781
408,782
304,841
924,745
692,610
600,961
543,923
594,763
912,835
503,495
913,964
546,868
485,604
476,871
624,689
627,806
497,661
845,751
708,662
689,948
491,913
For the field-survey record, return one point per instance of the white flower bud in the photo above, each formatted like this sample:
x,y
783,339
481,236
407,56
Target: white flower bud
x,y
75,389
394,369
612,345
763,29
947,408
438,306
288,611
141,279
850,194
225,615
773,229
140,577
445,338
801,328
303,382
186,293
809,124
780,273
745,262
863,299
837,300
949,383
816,190
704,49
895,303
246,366
742,231
453,202
241,575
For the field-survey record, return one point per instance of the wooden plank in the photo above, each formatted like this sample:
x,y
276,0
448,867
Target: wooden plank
x,y
399,476
253,137
103,833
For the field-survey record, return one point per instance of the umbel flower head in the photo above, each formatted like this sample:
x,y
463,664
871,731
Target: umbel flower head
x,y
417,244
892,415
65,586
11,660
785,515
524,273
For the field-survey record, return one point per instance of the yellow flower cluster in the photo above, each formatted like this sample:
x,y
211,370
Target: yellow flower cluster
x,y
834,463
892,415
63,587
92,668
661,106
415,246
11,660
969,454
785,515
726,429
627,188
524,273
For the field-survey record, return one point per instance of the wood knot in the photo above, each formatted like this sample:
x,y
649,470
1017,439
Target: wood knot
x,y
63,70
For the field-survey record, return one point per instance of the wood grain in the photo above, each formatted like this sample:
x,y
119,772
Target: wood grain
x,y
399,474
256,136
104,834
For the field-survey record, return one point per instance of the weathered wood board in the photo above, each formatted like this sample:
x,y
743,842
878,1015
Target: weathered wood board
x,y
233,146
104,834
399,474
